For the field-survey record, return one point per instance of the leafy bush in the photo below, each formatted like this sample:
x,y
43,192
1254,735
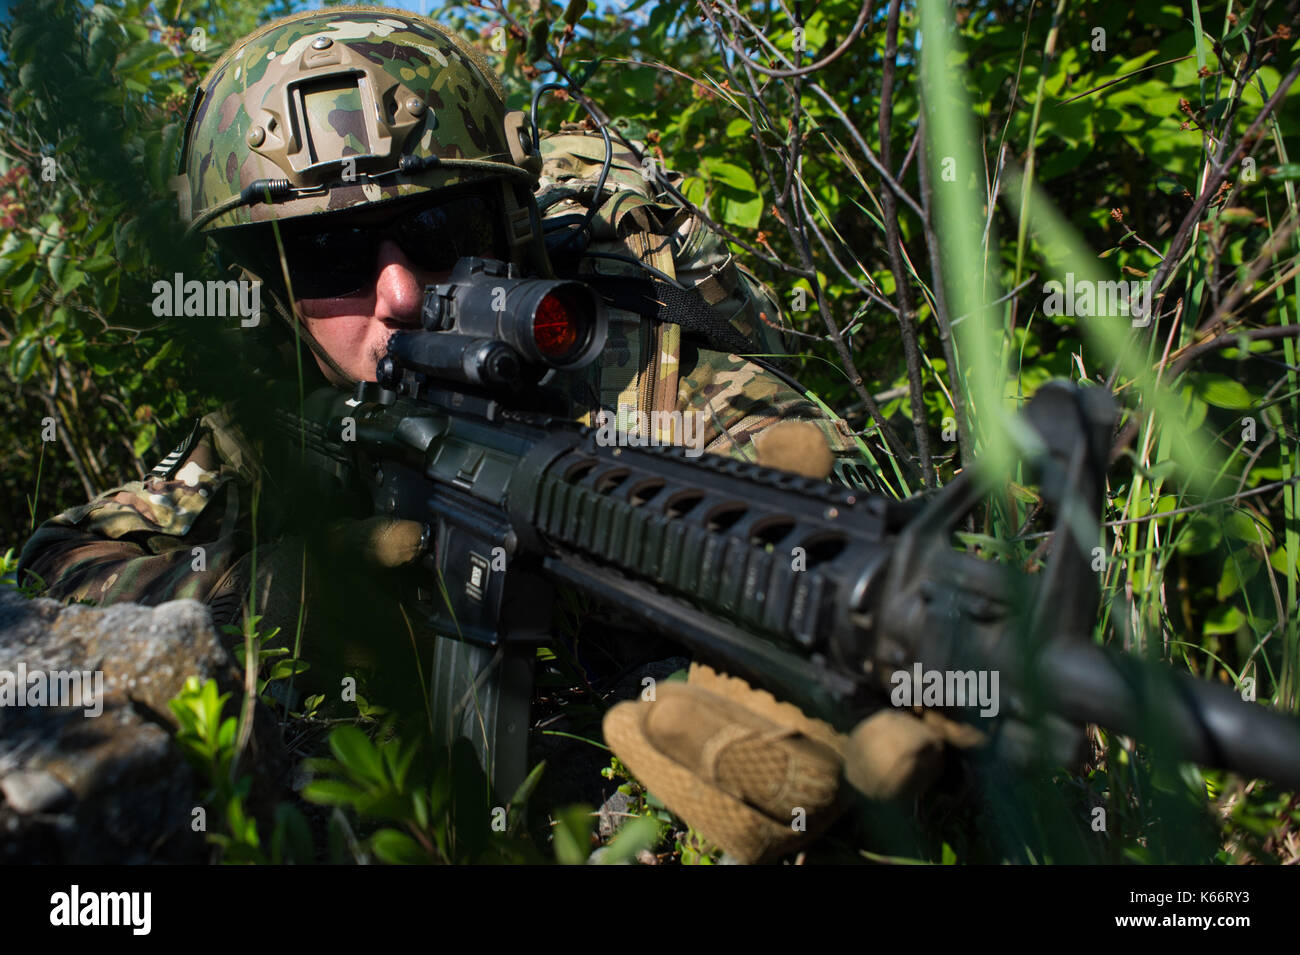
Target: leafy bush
x,y
907,203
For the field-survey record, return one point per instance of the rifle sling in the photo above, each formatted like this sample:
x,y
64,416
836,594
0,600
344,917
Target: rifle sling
x,y
662,302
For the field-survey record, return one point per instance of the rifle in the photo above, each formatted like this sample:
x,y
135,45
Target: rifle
x,y
823,595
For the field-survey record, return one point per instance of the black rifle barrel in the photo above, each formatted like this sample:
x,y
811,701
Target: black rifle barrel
x,y
1202,722
784,579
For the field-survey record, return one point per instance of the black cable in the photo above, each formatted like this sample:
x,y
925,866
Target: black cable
x,y
596,200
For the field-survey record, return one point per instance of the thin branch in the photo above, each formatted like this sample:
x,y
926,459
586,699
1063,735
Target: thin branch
x,y
941,312
1193,217
893,243
863,16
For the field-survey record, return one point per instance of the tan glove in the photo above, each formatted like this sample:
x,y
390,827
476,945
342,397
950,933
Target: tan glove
x,y
757,776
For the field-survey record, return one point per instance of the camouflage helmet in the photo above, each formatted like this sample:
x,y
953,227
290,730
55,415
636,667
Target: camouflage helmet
x,y
324,111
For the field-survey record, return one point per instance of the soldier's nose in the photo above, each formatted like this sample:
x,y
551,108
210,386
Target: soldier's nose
x,y
399,286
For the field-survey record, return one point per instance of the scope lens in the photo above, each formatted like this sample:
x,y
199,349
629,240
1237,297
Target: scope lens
x,y
559,326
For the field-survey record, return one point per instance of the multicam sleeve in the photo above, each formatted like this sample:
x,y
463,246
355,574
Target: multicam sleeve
x,y
176,534
734,400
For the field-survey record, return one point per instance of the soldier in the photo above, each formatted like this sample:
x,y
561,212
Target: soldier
x,y
346,159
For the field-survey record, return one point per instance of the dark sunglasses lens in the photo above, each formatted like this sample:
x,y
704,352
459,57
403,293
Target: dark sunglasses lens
x,y
339,262
331,263
436,238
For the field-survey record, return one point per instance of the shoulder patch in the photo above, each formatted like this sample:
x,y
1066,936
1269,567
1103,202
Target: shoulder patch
x,y
168,466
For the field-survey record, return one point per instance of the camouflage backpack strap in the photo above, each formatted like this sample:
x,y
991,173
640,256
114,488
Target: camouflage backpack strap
x,y
626,224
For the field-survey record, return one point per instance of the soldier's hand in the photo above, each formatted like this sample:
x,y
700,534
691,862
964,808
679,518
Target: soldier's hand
x,y
757,776
795,446
385,542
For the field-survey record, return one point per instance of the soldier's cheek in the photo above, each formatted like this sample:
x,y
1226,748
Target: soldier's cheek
x,y
347,339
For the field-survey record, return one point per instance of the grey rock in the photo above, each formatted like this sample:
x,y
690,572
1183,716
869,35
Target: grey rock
x,y
613,813
121,788
29,792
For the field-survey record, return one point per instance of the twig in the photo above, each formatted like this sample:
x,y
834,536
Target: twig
x,y
893,242
964,448
863,16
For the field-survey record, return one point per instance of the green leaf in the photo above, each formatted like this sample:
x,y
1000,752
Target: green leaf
x,y
72,277
729,174
99,263
283,669
1245,526
26,359
1238,569
519,801
291,839
636,834
574,11
1199,535
1222,392
14,253
572,837
694,190
1224,619
225,736
353,749
398,759
21,295
1237,215
397,848
743,212
739,128
537,36
144,440
529,785
331,792
586,69
57,261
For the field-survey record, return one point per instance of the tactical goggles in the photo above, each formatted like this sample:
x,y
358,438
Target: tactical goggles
x,y
340,260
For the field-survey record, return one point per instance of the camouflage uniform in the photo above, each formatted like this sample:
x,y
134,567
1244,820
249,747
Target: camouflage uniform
x,y
137,542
